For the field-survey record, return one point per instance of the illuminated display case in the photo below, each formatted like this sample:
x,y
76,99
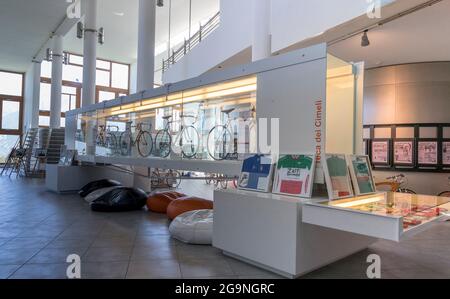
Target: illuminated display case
x,y
391,216
214,122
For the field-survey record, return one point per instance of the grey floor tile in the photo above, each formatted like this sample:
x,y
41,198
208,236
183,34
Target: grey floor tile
x,y
108,270
43,271
70,243
243,269
113,242
18,243
16,256
155,269
152,253
190,252
7,270
55,255
205,268
105,254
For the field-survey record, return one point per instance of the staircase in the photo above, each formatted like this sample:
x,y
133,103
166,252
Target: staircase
x,y
29,144
55,142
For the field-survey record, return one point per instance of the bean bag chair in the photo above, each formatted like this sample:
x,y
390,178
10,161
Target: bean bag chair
x,y
195,227
91,187
120,200
159,202
99,193
187,204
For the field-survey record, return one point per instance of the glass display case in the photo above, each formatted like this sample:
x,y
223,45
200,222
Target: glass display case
x,y
391,216
215,122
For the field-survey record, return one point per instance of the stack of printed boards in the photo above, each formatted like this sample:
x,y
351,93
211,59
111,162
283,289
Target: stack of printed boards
x,y
345,175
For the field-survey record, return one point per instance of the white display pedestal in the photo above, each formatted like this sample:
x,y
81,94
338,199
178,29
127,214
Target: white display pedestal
x,y
266,230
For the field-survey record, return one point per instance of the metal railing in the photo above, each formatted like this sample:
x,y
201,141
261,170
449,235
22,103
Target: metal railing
x,y
195,39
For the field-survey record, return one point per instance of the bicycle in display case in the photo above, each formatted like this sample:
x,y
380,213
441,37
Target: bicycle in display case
x,y
165,179
143,141
186,140
445,193
221,142
400,181
106,137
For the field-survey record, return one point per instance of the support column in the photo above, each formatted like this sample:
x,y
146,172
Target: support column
x,y
89,53
55,99
34,116
146,45
261,30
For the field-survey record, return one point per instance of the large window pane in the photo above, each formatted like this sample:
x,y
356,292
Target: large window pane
x,y
105,96
10,115
120,75
11,84
101,64
46,69
65,103
75,59
7,142
102,78
73,73
44,99
69,90
44,121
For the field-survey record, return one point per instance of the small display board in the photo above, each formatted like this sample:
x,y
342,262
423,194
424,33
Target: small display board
x,y
361,174
295,175
257,173
337,176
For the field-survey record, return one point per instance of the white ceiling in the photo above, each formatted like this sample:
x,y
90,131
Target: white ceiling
x,y
419,37
26,25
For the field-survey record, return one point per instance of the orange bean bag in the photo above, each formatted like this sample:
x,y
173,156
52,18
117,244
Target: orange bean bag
x,y
159,202
187,204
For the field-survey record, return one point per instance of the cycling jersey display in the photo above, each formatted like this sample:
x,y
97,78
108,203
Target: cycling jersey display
x,y
257,173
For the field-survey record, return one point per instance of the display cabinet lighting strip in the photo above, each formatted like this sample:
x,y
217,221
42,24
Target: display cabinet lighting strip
x,y
360,202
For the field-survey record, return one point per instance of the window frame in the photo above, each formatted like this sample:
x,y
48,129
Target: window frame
x,y
19,99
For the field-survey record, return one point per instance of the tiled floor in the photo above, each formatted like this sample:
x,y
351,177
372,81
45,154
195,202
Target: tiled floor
x,y
39,229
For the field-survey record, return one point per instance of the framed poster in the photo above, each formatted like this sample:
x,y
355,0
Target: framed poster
x,y
404,152
294,175
257,173
446,153
381,152
361,174
337,176
427,153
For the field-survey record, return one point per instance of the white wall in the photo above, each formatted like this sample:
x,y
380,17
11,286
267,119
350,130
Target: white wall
x,y
133,78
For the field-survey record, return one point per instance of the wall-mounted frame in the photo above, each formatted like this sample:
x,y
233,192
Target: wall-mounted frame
x,y
381,152
361,174
428,153
404,152
337,176
446,152
443,147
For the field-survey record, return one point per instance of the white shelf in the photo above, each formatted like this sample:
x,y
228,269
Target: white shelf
x,y
230,168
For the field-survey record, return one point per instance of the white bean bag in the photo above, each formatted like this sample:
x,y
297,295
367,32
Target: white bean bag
x,y
195,227
99,193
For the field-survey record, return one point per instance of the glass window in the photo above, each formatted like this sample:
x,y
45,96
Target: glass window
x,y
65,103
69,90
46,69
44,121
73,73
11,84
105,96
102,78
120,74
63,122
10,115
7,143
102,64
44,98
75,59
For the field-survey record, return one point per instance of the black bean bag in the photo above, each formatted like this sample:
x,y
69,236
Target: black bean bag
x,y
93,186
120,200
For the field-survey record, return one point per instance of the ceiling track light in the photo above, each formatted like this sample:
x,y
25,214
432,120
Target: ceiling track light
x,y
365,42
49,55
160,3
101,36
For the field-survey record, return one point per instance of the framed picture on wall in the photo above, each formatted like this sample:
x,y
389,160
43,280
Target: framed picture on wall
x,y
404,152
446,153
381,152
337,176
361,174
427,153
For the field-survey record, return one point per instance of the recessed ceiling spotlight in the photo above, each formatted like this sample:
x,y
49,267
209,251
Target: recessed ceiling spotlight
x,y
365,42
119,14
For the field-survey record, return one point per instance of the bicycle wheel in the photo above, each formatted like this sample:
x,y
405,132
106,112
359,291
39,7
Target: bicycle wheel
x,y
406,191
163,142
111,142
125,143
145,144
189,142
99,141
444,194
155,179
219,143
173,179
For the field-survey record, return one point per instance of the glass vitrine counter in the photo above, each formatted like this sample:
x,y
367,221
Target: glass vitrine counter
x,y
391,216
